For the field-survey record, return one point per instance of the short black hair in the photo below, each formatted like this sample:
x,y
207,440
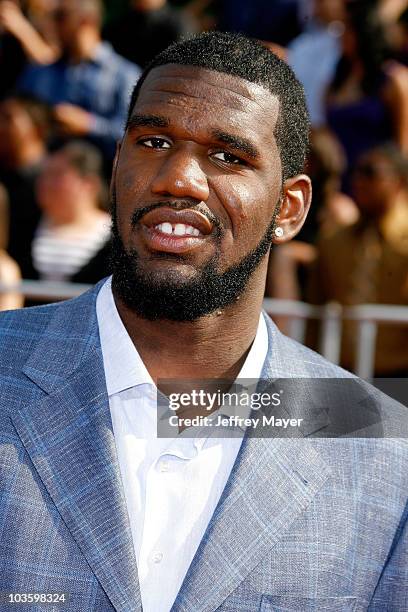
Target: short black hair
x,y
87,161
237,55
84,157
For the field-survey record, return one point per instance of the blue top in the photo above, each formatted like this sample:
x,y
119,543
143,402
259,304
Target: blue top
x,y
360,126
313,56
101,85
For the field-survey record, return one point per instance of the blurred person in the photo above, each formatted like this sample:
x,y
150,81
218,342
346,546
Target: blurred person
x,y
390,10
35,46
9,270
367,101
26,34
332,208
314,55
146,28
208,176
398,36
24,127
289,264
278,21
71,240
89,85
203,13
367,262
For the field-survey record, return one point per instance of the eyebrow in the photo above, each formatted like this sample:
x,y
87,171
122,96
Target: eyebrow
x,y
237,142
147,121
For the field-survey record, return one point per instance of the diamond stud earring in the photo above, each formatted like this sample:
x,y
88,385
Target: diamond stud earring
x,y
278,232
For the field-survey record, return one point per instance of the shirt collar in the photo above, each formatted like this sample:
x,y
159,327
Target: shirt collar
x,y
102,52
123,365
253,364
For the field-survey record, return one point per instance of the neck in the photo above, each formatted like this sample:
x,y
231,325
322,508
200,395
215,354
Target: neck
x,y
214,346
85,45
84,215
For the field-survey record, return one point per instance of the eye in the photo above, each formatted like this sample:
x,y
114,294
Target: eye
x,y
155,143
228,158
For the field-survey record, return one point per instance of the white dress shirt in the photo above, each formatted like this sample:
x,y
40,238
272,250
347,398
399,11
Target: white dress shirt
x,y
171,485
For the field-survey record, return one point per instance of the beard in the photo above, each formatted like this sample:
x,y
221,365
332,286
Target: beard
x,y
171,297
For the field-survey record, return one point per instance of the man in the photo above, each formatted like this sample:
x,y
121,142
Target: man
x,y
89,86
367,262
95,504
146,28
278,21
9,271
314,55
24,129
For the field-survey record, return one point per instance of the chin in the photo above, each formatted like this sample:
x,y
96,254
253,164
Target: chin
x,y
167,273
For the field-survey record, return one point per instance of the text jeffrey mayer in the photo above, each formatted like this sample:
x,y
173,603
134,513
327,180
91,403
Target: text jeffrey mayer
x,y
272,421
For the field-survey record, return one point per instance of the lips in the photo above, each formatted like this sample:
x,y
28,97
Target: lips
x,y
175,231
187,217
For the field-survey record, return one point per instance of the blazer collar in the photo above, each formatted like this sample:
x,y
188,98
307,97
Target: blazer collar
x,y
70,337
68,435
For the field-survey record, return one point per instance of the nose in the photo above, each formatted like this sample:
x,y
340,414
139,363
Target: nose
x,y
181,176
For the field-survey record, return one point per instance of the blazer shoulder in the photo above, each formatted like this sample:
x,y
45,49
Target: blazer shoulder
x,y
24,326
291,359
373,410
22,330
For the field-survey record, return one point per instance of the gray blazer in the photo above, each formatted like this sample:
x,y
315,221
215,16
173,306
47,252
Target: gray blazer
x,y
303,524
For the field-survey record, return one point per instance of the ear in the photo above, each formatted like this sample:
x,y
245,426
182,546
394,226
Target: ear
x,y
114,169
295,204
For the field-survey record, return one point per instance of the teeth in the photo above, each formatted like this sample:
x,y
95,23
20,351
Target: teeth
x,y
179,229
166,228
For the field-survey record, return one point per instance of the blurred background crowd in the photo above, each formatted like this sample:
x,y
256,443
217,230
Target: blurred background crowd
x,y
67,68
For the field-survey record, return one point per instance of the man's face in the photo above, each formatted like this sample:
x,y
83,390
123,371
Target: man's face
x,y
59,187
196,186
67,19
375,184
329,10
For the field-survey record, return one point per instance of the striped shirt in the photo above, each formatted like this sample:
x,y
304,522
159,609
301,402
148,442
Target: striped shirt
x,y
57,256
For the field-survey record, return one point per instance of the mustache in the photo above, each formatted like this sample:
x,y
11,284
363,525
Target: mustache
x,y
176,205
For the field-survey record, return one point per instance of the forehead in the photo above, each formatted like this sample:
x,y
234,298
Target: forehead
x,y
69,7
218,99
58,162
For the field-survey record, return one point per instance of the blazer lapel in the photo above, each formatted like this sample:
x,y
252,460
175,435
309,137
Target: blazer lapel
x,y
273,481
68,435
